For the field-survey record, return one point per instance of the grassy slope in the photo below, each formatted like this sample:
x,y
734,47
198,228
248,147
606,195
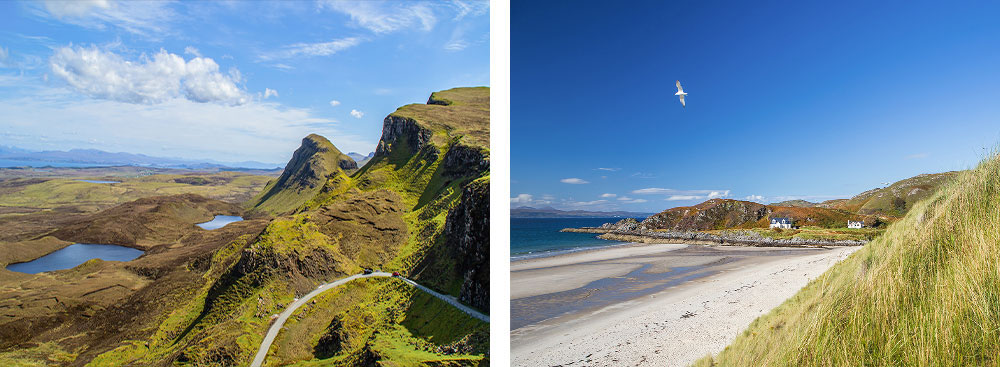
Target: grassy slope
x,y
897,198
303,177
927,292
228,324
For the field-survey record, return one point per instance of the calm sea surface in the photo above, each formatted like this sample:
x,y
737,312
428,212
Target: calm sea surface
x,y
535,237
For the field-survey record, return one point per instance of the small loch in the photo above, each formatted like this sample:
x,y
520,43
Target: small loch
x,y
100,181
219,221
75,254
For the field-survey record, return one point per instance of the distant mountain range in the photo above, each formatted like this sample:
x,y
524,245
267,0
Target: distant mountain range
x,y
100,157
361,159
549,212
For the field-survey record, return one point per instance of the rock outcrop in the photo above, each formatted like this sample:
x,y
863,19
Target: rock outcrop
x,y
312,164
467,235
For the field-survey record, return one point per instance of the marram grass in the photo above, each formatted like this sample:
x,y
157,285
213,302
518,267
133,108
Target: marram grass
x,y
926,293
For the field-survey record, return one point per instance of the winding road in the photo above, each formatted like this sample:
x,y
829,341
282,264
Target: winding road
x,y
265,345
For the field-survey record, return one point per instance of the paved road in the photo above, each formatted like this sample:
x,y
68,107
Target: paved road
x,y
265,345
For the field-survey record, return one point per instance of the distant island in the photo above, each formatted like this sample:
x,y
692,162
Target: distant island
x,y
549,212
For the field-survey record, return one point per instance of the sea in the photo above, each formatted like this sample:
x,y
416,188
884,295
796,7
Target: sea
x,y
540,237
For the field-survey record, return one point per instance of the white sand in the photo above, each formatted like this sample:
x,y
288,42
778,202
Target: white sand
x,y
651,331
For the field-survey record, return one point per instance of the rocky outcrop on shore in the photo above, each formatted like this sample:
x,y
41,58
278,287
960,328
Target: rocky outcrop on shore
x,y
740,238
630,230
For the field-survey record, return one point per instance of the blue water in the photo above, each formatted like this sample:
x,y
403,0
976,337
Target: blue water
x,y
76,254
19,163
99,181
535,237
219,222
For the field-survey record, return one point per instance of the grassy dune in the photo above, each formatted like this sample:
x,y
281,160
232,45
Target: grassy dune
x,y
927,292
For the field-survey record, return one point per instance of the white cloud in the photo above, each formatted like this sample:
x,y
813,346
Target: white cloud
x,y
635,201
155,79
268,93
623,198
474,8
586,203
718,194
385,17
677,195
53,118
756,198
357,114
607,169
574,181
192,51
335,103
147,18
528,199
522,199
608,195
662,191
310,49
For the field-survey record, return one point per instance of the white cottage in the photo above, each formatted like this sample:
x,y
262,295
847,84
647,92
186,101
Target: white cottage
x,y
855,224
785,223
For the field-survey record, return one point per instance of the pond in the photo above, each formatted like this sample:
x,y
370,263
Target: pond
x,y
75,254
219,221
99,181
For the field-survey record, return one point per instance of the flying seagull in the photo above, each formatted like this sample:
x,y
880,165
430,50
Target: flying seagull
x,y
680,92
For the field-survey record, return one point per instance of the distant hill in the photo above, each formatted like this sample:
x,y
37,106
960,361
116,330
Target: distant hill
x,y
896,199
529,212
100,157
361,159
728,213
795,204
893,200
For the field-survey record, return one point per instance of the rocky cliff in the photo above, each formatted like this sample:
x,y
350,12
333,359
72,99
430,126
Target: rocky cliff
x,y
467,235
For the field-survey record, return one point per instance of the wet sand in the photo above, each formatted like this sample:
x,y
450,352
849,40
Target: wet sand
x,y
649,304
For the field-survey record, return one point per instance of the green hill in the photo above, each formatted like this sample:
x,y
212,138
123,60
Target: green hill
x,y
898,198
717,214
419,207
924,293
311,166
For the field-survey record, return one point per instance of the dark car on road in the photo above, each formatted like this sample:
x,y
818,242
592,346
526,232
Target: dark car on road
x,y
368,271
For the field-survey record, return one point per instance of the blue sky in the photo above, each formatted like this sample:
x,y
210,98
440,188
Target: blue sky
x,y
786,100
229,81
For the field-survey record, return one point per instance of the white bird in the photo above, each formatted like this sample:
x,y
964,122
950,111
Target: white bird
x,y
680,93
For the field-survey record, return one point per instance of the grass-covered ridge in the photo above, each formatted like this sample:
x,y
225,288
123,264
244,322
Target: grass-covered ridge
x,y
927,292
456,112
313,163
389,215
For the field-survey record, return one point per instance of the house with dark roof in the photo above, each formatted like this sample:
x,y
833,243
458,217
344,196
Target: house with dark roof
x,y
785,223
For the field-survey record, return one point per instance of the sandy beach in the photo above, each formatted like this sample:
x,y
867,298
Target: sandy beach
x,y
650,304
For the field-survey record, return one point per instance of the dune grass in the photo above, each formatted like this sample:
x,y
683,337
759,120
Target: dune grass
x,y
927,292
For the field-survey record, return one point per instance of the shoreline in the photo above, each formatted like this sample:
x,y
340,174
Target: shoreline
x,y
701,238
684,321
